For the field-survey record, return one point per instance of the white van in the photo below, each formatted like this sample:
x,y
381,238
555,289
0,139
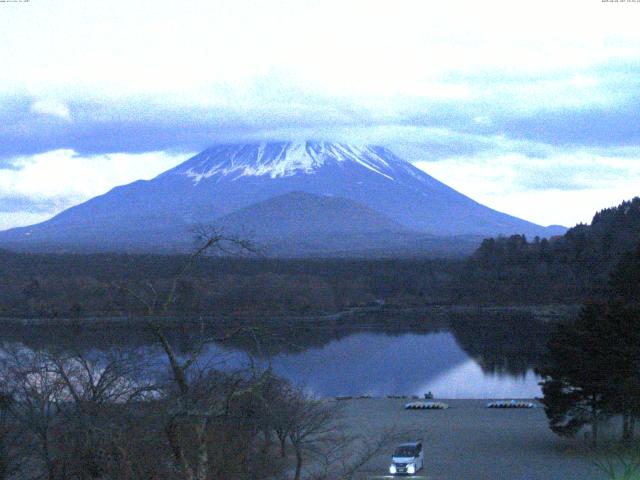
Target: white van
x,y
407,459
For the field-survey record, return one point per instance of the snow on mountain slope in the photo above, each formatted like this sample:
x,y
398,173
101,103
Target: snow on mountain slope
x,y
280,160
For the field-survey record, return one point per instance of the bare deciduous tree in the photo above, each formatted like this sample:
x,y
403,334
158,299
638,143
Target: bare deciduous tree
x,y
10,437
72,410
194,401
345,457
38,395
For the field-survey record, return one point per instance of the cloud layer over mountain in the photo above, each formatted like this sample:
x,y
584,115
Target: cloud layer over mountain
x,y
551,90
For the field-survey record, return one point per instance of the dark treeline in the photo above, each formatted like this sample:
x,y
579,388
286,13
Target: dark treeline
x,y
591,369
68,285
567,269
564,270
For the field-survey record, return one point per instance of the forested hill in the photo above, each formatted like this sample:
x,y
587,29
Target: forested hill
x,y
507,271
568,268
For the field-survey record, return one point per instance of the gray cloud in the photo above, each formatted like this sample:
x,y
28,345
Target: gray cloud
x,y
26,204
566,176
492,120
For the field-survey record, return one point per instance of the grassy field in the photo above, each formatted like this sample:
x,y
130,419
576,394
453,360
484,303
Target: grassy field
x,y
470,441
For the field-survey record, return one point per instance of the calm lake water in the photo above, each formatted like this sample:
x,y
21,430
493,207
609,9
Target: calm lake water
x,y
459,357
379,364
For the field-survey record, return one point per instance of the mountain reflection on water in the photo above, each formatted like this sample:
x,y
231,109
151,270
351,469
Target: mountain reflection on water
x,y
453,356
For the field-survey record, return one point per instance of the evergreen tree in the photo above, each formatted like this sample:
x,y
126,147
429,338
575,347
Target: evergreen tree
x,y
592,368
570,268
623,317
574,385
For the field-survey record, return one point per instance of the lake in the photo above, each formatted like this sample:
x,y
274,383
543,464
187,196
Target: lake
x,y
452,356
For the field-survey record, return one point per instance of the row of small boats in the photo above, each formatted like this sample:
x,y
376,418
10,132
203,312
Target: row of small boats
x,y
510,404
426,406
442,405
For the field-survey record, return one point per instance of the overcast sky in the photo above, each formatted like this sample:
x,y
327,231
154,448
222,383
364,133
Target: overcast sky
x,y
531,108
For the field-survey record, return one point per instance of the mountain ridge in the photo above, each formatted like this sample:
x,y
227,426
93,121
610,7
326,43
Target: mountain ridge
x,y
305,213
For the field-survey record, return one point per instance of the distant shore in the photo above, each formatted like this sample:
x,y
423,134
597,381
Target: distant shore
x,y
538,312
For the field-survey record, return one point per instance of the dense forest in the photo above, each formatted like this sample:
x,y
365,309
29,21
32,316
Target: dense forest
x,y
506,270
65,285
567,269
590,369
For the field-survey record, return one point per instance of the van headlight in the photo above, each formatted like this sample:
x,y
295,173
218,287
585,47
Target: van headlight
x,y
392,469
411,468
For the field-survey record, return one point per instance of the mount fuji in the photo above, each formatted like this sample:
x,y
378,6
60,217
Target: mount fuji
x,y
297,198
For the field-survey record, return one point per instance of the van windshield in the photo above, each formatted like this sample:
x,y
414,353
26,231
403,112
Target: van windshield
x,y
405,452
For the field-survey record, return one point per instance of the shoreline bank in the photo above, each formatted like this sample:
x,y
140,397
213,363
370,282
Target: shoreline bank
x,y
545,313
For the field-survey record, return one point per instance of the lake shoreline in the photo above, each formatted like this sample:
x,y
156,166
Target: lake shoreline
x,y
545,313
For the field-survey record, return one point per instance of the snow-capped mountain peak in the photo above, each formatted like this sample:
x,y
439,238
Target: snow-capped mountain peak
x,y
284,159
307,197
